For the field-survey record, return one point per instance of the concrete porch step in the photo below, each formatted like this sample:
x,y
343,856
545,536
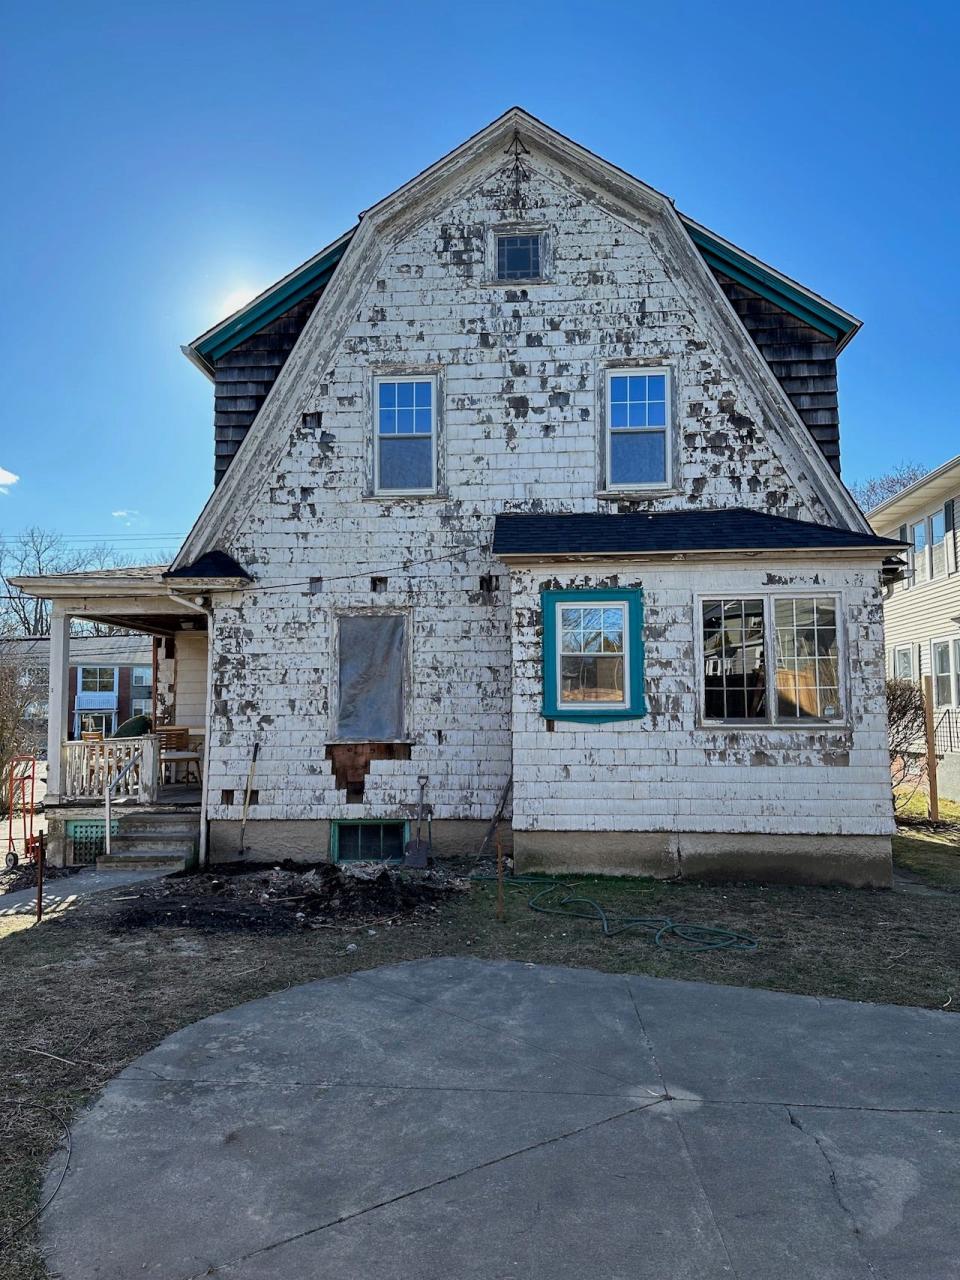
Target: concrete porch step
x,y
143,860
162,841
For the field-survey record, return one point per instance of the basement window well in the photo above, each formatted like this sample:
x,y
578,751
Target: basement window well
x,y
367,841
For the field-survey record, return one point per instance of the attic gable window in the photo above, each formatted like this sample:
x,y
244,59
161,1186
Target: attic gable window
x,y
518,257
405,430
638,449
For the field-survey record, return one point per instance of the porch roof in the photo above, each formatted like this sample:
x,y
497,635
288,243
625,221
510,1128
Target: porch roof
x,y
141,598
734,529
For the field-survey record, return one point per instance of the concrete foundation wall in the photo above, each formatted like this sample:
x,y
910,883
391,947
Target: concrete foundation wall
x,y
309,841
948,776
856,861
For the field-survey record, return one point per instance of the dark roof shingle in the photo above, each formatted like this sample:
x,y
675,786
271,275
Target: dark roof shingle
x,y
731,529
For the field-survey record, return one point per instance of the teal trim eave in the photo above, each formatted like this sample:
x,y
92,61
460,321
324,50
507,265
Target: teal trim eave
x,y
633,598
269,306
819,315
316,273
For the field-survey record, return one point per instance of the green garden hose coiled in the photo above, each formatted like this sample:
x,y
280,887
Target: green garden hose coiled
x,y
672,935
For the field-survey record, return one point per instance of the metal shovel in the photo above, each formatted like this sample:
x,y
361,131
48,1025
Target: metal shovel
x,y
417,850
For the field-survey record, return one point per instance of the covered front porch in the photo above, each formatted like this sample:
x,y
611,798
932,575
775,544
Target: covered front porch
x,y
124,793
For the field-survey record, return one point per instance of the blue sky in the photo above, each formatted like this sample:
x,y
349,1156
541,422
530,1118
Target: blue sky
x,y
164,158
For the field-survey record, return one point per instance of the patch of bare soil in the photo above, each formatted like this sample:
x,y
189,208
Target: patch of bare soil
x,y
289,897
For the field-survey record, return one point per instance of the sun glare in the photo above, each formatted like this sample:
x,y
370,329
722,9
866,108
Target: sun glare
x,y
236,299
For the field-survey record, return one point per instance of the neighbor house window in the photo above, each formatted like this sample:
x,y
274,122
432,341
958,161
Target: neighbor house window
x,y
98,679
946,670
637,438
903,663
142,677
592,654
795,638
405,444
141,706
518,257
928,547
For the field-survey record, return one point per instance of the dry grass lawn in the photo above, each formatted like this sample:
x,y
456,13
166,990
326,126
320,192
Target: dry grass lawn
x,y
87,992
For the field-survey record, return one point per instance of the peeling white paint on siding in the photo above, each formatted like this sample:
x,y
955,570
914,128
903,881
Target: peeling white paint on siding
x,y
520,384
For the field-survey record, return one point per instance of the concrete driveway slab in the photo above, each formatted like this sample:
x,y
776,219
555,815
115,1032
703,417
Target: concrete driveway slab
x,y
484,1120
732,1043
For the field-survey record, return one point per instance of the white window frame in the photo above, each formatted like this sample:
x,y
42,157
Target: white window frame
x,y
598,707
773,719
378,381
98,666
494,233
148,707
610,485
908,650
949,642
141,684
927,549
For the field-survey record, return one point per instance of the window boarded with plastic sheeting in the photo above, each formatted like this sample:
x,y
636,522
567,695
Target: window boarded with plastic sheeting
x,y
371,683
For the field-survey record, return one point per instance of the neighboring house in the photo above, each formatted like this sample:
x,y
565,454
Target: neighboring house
x,y
526,476
922,611
110,680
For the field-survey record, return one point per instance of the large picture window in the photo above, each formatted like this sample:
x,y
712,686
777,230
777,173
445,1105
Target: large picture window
x,y
793,637
638,452
592,654
405,435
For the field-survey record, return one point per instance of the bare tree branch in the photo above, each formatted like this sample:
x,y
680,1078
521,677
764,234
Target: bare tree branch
x,y
871,492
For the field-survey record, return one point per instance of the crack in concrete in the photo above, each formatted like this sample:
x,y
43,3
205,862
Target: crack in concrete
x,y
391,1086
835,1187
387,1086
675,1116
213,1269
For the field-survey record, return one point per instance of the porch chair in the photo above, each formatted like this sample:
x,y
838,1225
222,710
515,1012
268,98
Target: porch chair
x,y
175,751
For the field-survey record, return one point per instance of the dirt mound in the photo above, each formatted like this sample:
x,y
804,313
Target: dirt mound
x,y
286,898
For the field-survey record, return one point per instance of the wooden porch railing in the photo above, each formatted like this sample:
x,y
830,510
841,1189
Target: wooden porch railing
x,y
89,768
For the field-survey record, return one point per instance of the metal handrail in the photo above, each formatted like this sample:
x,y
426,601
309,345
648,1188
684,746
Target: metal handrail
x,y
134,759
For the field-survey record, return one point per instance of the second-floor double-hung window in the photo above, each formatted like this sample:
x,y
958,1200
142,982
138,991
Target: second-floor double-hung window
x,y
405,435
638,449
928,543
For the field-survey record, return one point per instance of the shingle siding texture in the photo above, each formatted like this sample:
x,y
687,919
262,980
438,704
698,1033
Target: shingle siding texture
x,y
518,410
803,359
243,378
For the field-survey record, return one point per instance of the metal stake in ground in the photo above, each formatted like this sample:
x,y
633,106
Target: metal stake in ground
x,y
246,795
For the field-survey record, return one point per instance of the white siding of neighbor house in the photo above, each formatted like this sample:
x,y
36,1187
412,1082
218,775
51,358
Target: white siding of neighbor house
x,y
521,384
915,613
190,689
664,772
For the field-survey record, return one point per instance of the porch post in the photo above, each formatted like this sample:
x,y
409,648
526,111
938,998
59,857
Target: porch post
x,y
59,699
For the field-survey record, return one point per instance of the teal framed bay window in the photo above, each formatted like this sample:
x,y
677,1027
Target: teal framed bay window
x,y
593,655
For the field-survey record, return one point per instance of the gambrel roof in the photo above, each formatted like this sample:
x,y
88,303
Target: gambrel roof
x,y
314,274
342,273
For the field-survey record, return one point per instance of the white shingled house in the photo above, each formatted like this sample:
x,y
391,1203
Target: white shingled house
x,y
526,476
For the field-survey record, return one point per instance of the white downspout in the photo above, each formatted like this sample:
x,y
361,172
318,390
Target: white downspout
x,y
203,851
